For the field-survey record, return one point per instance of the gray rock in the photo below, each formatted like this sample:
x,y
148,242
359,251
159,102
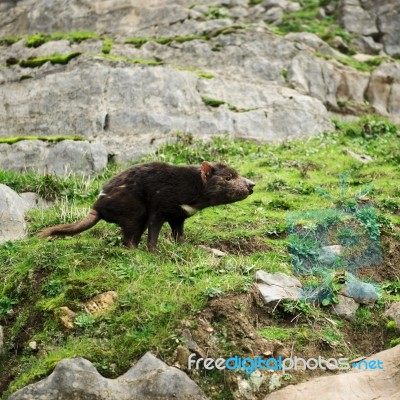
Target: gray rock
x,y
292,7
82,158
366,44
329,254
321,13
352,85
393,312
346,307
368,384
268,4
273,15
12,208
313,41
340,44
77,378
315,77
361,292
384,89
388,13
363,158
356,19
368,18
278,286
33,200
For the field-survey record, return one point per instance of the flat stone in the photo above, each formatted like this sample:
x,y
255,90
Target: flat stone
x,y
368,384
346,307
277,286
148,379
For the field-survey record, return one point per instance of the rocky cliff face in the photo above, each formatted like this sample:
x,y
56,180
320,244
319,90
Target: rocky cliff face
x,y
149,69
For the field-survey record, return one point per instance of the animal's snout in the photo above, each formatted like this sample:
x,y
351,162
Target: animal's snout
x,y
250,184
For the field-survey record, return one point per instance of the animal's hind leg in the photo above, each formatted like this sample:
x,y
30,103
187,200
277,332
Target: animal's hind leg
x,y
132,232
177,229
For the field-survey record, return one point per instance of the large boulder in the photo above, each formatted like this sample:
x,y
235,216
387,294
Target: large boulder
x,y
384,88
60,159
12,208
377,19
119,103
78,379
370,384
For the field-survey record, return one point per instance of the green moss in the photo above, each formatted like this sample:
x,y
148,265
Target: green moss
x,y
391,326
132,60
37,40
9,40
74,37
201,74
209,101
54,59
285,75
140,41
54,139
215,11
205,75
107,45
366,66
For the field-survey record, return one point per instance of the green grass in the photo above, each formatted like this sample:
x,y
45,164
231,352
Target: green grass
x,y
365,66
276,333
156,292
306,20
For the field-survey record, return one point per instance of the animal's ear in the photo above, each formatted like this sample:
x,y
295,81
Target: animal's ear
x,y
206,170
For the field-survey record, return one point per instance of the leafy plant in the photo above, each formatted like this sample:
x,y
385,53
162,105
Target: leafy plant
x,y
84,320
213,292
6,305
296,307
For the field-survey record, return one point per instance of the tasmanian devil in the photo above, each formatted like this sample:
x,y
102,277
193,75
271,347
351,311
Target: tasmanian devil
x,y
147,195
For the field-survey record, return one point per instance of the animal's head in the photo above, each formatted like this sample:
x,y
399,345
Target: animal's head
x,y
223,184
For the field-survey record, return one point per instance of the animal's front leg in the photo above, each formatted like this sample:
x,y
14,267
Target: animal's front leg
x,y
155,223
177,229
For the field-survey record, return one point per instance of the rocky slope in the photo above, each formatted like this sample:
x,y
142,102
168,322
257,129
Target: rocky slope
x,y
150,69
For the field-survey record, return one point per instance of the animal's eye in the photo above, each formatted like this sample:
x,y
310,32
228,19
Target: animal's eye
x,y
228,178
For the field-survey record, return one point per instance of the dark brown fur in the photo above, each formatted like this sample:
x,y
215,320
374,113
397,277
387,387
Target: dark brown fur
x,y
148,195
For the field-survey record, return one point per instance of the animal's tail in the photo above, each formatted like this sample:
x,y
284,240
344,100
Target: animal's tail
x,y
71,229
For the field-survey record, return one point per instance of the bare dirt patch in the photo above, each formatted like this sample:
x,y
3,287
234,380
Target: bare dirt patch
x,y
389,270
242,246
230,326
